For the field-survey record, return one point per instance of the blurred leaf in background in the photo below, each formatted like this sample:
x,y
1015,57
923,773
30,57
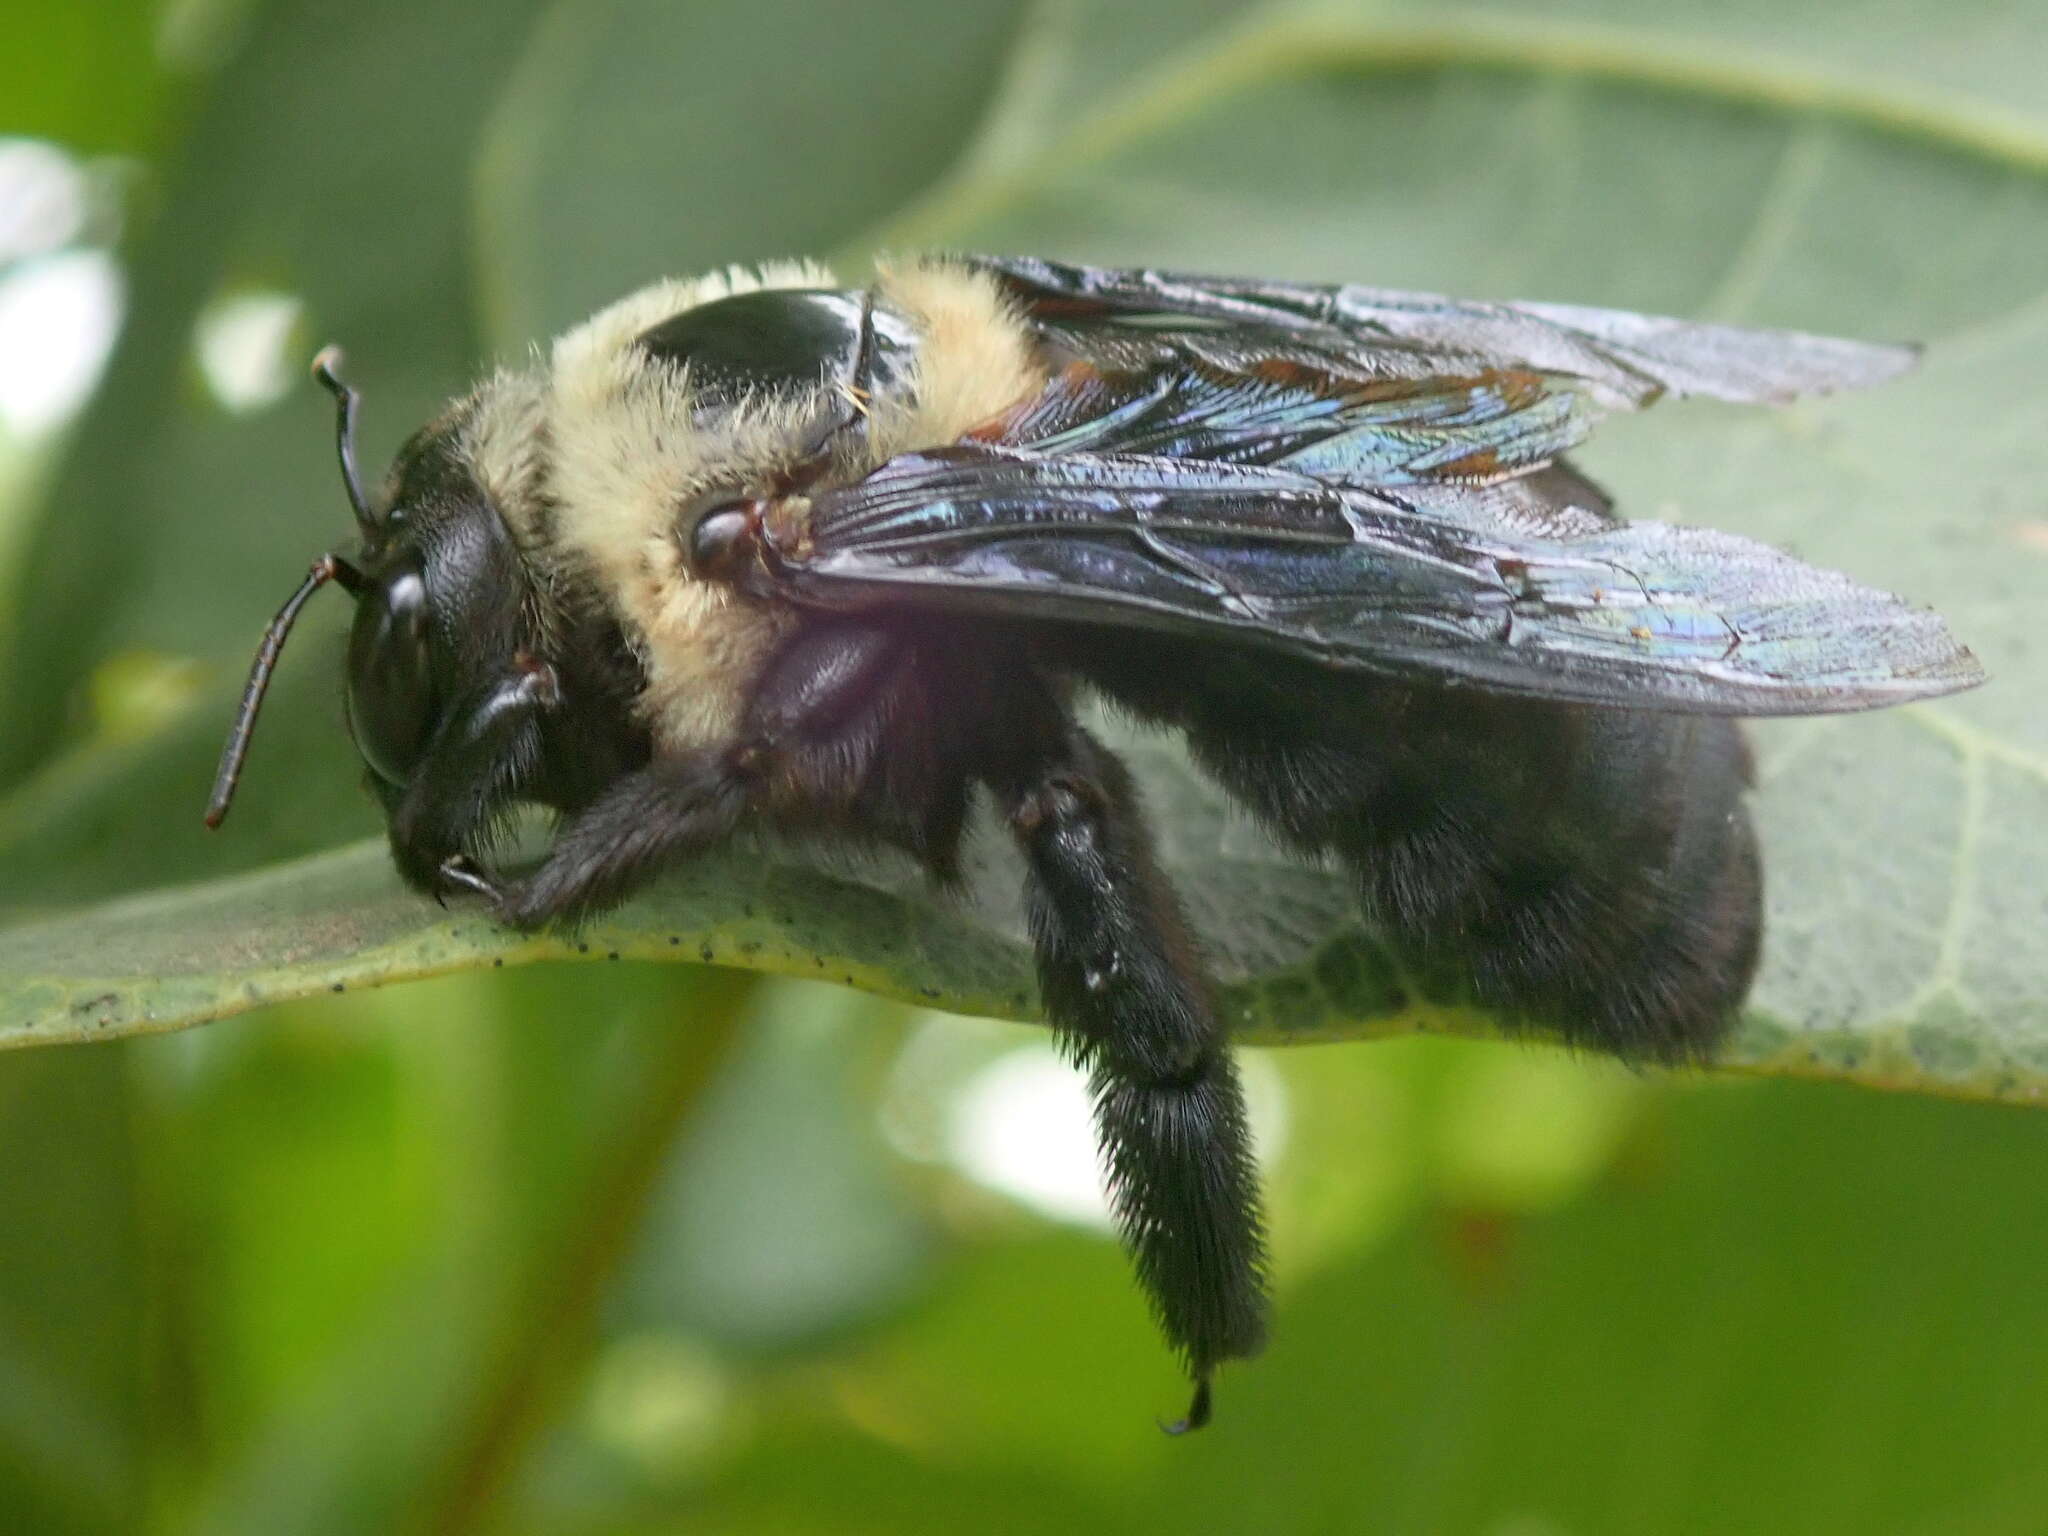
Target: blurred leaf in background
x,y
620,1247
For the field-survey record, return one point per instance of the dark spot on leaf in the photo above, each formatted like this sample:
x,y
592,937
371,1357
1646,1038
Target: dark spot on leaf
x,y
337,987
611,954
582,949
498,960
704,953
750,946
674,939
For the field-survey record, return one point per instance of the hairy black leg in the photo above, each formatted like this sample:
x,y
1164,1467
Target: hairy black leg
x,y
1124,988
673,807
802,755
477,759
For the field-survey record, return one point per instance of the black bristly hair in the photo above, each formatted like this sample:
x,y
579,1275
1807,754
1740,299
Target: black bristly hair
x,y
1590,872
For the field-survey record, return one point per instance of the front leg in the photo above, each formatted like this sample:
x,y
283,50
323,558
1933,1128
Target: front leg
x,y
1127,993
805,743
646,821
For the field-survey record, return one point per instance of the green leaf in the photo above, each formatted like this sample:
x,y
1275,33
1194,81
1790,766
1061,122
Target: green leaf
x,y
77,50
1737,1328
286,179
391,1225
1762,176
76,1303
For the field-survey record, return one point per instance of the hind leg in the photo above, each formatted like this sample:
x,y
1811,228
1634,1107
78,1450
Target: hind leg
x,y
1127,993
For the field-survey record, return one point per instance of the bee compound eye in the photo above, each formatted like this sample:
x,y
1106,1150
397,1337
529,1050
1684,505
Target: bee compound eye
x,y
725,537
390,680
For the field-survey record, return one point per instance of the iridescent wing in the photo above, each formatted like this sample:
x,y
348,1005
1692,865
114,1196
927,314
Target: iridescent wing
x,y
1393,417
1512,587
1373,480
1625,360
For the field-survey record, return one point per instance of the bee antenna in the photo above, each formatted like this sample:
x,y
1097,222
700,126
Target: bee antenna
x,y
326,368
327,568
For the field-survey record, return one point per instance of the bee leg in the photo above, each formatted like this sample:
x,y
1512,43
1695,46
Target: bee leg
x,y
809,735
1126,992
461,873
644,822
472,767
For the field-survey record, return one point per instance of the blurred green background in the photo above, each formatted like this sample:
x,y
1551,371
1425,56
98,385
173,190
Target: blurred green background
x,y
619,1248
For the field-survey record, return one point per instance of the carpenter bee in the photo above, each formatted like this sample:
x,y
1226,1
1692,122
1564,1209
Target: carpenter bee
x,y
759,550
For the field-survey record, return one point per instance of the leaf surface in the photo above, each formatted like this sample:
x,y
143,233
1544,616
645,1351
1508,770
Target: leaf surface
x,y
1795,170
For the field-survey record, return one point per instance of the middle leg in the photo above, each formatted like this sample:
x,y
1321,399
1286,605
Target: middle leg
x,y
813,752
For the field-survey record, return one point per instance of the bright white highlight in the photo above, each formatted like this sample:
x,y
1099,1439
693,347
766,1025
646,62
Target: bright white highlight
x,y
1024,1125
43,199
245,348
58,319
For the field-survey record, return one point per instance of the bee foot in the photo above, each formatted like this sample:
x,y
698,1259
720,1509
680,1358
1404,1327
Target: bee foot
x,y
1198,1411
524,905
460,875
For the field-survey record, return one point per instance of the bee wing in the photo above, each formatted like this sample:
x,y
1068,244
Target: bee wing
x,y
1625,360
1511,587
1248,396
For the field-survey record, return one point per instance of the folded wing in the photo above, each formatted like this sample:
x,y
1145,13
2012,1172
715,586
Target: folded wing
x,y
1624,360
1521,586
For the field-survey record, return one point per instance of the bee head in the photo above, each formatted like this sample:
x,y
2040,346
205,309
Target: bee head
x,y
438,589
